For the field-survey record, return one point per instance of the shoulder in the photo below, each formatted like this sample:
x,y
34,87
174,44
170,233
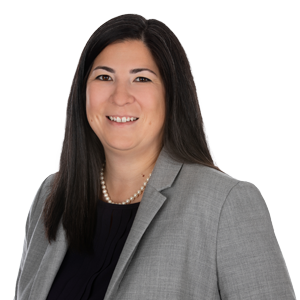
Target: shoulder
x,y
207,176
207,180
39,201
214,187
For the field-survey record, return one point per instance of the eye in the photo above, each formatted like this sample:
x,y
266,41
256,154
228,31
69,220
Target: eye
x,y
104,77
142,79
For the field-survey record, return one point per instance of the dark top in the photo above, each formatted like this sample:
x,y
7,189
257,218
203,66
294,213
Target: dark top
x,y
86,276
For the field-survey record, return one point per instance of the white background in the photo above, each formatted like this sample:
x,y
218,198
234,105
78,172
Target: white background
x,y
244,57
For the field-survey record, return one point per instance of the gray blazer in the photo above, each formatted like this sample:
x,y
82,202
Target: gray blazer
x,y
197,234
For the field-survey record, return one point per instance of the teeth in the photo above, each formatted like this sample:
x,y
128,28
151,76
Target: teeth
x,y
123,119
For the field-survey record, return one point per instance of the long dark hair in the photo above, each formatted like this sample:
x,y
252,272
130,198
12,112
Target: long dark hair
x,y
76,186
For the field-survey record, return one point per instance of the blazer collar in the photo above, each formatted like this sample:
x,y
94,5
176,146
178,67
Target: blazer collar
x,y
164,172
163,176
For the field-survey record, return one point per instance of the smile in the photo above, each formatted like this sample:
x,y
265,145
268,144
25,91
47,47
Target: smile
x,y
122,119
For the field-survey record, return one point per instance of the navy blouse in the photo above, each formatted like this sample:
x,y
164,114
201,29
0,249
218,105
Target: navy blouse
x,y
85,276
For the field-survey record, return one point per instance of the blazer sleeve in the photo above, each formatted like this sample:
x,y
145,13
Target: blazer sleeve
x,y
250,264
31,218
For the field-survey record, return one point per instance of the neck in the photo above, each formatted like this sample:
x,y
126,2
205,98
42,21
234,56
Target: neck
x,y
125,173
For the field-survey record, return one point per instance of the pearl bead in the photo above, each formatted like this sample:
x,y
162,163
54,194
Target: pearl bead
x,y
105,192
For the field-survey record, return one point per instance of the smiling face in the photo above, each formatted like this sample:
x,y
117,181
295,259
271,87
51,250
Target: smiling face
x,y
125,82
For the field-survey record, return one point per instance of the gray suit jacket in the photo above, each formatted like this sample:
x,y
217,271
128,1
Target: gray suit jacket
x,y
197,234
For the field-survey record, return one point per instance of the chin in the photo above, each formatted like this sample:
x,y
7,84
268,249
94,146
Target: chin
x,y
122,145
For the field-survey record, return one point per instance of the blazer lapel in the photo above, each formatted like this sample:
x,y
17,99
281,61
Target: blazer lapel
x,y
163,175
50,264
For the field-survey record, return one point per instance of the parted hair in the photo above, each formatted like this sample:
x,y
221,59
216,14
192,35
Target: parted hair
x,y
76,186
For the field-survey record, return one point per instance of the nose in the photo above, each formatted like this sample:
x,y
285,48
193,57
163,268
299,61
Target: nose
x,y
121,95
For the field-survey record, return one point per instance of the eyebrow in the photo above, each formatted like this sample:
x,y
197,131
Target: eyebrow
x,y
133,71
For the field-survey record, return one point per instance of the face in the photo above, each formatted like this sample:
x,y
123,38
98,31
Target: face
x,y
125,83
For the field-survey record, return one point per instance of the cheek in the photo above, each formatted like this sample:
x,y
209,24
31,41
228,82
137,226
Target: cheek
x,y
154,109
153,99
94,99
157,104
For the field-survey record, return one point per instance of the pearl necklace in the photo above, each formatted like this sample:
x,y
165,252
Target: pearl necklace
x,y
105,192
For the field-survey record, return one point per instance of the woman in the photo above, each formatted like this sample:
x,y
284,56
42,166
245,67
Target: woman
x,y
138,210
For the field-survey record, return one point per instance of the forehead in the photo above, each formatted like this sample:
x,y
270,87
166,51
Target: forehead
x,y
126,53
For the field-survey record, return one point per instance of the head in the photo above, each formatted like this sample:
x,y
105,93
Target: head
x,y
124,82
167,108
158,46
